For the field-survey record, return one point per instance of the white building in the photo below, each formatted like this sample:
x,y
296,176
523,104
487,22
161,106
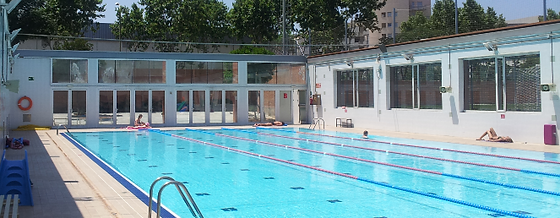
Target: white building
x,y
399,89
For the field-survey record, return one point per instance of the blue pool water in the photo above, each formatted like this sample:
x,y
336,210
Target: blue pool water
x,y
226,183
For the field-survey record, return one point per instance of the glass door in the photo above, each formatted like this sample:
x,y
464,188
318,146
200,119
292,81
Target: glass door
x,y
142,105
78,108
216,110
231,107
123,108
199,105
183,107
60,107
157,115
269,106
106,108
254,106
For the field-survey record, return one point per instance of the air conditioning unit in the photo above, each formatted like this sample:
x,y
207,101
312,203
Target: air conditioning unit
x,y
444,89
548,87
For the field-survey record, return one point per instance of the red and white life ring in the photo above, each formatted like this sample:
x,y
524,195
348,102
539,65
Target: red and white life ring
x,y
28,106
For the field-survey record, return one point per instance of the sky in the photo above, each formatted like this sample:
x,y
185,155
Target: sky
x,y
511,9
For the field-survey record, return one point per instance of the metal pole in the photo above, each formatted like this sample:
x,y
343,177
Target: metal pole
x,y
456,19
544,10
394,28
346,33
284,27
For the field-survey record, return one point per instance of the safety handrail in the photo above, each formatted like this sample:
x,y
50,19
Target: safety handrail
x,y
317,120
178,185
59,125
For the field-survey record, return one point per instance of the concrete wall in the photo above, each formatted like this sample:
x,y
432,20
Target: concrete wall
x,y
452,119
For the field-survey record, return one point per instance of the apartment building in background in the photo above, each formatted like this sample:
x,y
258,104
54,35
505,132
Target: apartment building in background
x,y
403,9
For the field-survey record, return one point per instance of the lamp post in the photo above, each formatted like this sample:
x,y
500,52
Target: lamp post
x,y
456,19
544,10
120,24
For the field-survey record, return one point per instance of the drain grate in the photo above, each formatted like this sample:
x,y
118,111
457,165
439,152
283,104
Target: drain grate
x,y
268,177
192,152
151,166
202,194
296,188
496,215
166,173
334,201
229,209
143,160
180,148
225,163
208,157
244,169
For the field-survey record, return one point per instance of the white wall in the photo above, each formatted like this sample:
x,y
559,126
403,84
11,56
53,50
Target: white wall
x,y
451,120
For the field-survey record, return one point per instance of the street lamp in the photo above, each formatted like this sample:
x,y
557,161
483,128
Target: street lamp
x,y
120,25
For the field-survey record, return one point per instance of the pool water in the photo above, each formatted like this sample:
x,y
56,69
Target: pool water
x,y
287,181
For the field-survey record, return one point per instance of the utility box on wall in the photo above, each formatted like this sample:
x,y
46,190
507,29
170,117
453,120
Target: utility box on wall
x,y
316,99
550,134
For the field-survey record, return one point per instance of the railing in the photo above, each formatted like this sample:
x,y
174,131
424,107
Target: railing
x,y
178,185
317,121
58,127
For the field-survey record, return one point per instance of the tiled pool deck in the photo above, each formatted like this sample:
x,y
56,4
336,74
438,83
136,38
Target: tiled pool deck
x,y
66,183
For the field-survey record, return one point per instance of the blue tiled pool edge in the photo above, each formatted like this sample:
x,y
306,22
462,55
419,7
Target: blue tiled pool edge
x,y
139,193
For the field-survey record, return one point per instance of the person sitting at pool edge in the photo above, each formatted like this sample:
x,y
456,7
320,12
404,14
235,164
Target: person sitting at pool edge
x,y
493,137
139,123
274,123
365,136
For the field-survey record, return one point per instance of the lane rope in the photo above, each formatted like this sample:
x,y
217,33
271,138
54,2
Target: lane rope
x,y
354,177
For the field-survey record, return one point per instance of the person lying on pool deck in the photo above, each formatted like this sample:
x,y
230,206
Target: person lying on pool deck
x,y
493,137
274,123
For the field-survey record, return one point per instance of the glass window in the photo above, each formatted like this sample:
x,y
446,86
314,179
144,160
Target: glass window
x,y
254,106
401,87
389,14
513,85
206,72
261,73
416,86
383,14
389,24
396,13
298,74
69,71
419,4
383,25
354,88
127,71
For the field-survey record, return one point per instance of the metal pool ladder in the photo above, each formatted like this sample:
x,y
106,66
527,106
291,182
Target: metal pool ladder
x,y
179,186
317,121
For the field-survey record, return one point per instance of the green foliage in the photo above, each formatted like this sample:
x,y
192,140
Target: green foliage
x,y
472,17
73,44
325,20
251,50
550,15
57,17
255,19
173,21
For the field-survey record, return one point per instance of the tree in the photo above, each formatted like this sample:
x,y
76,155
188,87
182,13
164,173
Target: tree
x,y
131,25
171,22
325,20
254,19
58,17
472,17
550,15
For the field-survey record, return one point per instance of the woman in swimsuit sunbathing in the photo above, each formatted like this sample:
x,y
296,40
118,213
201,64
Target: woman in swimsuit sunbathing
x,y
493,137
274,123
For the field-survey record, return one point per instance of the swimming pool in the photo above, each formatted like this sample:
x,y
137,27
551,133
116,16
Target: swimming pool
x,y
303,173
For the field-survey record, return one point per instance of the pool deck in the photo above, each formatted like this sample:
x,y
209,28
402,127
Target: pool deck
x,y
66,183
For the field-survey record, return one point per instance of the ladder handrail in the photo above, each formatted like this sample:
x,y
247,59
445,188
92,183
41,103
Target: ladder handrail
x,y
177,185
59,125
317,120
